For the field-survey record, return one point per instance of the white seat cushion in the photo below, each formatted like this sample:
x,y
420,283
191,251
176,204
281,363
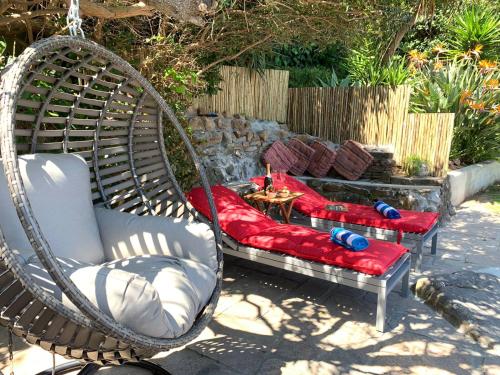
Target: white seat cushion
x,y
153,295
58,188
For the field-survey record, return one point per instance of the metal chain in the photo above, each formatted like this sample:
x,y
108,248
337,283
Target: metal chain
x,y
73,19
11,353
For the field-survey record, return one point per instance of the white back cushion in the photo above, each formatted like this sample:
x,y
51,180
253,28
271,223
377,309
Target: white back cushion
x,y
58,188
126,235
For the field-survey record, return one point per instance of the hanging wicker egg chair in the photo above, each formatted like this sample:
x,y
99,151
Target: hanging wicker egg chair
x,y
68,95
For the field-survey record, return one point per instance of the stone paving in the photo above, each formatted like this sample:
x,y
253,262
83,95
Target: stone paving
x,y
276,322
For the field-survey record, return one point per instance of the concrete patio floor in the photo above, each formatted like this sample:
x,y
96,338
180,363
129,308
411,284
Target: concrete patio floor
x,y
276,322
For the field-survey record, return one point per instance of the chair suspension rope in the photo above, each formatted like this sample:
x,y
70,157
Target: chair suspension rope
x,y
73,19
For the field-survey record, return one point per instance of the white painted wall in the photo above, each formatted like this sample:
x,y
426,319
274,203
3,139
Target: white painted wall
x,y
467,181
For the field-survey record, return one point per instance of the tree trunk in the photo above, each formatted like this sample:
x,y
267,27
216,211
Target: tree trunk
x,y
398,37
190,11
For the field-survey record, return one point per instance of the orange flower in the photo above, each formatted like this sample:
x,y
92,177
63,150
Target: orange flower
x,y
495,109
438,65
417,59
492,83
477,106
487,64
465,96
476,51
438,49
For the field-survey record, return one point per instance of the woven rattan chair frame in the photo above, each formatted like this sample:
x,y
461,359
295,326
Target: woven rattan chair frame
x,y
70,95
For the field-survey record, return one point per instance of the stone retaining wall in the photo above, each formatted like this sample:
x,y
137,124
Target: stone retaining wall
x,y
409,197
231,147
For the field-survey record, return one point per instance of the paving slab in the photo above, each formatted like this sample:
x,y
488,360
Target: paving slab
x,y
469,300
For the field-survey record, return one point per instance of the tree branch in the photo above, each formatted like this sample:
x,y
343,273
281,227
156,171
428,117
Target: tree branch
x,y
187,11
98,10
398,37
229,58
5,5
5,20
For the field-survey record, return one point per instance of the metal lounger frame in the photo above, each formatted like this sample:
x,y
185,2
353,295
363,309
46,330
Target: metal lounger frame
x,y
373,232
381,285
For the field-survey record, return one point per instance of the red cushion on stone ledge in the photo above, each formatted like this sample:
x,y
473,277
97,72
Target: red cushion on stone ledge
x,y
322,159
279,156
352,160
313,204
251,227
304,155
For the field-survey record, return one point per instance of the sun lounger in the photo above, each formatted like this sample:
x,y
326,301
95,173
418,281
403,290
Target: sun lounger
x,y
249,234
310,209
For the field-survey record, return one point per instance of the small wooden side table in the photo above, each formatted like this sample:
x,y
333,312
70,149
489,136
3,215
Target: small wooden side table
x,y
264,203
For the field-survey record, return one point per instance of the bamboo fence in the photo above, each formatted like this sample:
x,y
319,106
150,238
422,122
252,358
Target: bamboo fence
x,y
427,135
370,115
262,95
375,116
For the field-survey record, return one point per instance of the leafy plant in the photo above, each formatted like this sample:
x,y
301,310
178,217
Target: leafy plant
x,y
429,31
366,69
5,58
475,33
413,164
359,60
333,81
3,47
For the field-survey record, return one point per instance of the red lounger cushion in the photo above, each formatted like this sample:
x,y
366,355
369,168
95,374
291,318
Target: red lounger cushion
x,y
237,223
313,204
352,160
279,156
322,159
303,153
251,227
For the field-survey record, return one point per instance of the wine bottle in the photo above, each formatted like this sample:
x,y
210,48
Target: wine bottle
x,y
268,180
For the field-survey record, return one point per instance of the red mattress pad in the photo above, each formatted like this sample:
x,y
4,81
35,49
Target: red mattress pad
x,y
251,227
313,204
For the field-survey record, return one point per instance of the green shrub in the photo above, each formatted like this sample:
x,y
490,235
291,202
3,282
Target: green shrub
x,y
308,77
413,164
307,63
333,81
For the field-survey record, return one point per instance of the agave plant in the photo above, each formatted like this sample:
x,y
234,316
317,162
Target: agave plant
x,y
473,94
439,90
475,33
